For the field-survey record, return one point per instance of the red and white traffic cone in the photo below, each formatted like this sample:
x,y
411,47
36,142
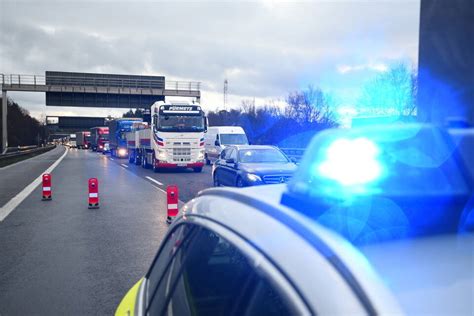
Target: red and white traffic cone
x,y
172,202
47,192
93,193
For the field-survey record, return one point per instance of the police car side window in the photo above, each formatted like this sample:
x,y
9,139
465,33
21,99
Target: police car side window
x,y
217,279
161,267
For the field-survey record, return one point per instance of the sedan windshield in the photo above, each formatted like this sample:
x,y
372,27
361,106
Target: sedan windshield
x,y
180,123
234,139
261,155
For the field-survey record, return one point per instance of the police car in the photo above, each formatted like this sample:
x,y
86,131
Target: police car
x,y
375,221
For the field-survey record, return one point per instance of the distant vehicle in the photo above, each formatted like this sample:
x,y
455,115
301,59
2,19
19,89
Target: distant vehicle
x,y
99,136
218,137
175,138
72,141
250,165
106,148
83,139
380,219
117,135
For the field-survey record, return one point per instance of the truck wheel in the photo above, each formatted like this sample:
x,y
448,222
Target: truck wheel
x,y
153,166
208,162
144,164
198,169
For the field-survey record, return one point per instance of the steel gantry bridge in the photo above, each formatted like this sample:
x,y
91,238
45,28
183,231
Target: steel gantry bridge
x,y
95,90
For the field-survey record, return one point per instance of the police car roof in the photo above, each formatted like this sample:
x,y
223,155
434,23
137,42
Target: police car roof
x,y
427,275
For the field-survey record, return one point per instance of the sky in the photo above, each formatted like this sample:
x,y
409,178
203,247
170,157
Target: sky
x,y
265,48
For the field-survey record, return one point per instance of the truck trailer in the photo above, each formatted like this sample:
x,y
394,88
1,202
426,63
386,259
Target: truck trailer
x,y
117,135
83,140
175,138
99,136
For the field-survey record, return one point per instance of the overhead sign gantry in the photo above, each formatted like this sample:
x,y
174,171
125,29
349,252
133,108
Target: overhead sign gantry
x,y
95,90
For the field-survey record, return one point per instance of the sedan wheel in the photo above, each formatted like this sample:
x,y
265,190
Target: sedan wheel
x,y
240,183
216,181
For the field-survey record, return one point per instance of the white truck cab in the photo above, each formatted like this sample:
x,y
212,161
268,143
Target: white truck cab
x,y
218,137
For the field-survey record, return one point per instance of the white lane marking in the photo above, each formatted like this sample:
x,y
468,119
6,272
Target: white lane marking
x,y
157,182
154,180
15,201
111,158
172,206
124,165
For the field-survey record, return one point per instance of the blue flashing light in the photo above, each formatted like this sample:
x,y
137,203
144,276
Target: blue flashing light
x,y
351,162
382,183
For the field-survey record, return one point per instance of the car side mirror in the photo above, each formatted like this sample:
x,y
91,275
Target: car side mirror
x,y
230,160
217,143
293,160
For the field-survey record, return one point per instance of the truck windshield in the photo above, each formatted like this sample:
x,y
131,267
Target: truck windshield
x,y
180,123
104,136
234,139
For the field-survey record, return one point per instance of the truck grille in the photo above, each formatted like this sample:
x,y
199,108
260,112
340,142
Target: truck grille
x,y
181,154
273,179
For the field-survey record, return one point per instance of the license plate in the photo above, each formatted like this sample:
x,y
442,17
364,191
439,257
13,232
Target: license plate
x,y
182,165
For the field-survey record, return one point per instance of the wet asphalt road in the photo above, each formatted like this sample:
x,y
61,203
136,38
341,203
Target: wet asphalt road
x,y
188,181
60,258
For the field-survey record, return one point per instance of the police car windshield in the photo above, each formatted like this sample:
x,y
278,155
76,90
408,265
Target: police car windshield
x,y
261,156
234,139
180,123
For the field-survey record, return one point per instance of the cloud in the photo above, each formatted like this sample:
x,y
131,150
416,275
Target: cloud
x,y
264,49
378,67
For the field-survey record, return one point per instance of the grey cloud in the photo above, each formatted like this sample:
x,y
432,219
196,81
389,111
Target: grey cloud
x,y
276,48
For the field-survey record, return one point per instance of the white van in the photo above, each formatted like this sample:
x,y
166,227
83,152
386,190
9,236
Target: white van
x,y
217,137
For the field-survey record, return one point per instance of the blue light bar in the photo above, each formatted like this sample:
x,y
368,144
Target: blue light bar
x,y
351,162
382,182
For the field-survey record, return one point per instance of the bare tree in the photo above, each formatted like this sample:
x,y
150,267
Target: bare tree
x,y
390,93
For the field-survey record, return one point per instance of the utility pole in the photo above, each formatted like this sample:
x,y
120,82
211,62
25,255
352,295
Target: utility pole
x,y
225,93
4,121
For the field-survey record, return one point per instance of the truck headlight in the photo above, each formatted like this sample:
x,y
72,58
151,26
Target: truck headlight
x,y
122,152
253,177
162,155
201,155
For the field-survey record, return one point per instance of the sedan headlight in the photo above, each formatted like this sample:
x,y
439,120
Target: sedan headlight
x,y
253,177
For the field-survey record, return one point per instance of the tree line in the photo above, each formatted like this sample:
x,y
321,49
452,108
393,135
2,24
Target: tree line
x,y
23,130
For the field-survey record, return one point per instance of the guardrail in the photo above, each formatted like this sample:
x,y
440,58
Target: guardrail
x,y
10,157
17,80
295,153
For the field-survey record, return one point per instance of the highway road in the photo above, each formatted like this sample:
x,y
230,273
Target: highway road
x,y
188,181
59,257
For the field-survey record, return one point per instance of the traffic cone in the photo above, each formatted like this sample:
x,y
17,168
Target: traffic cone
x,y
93,193
47,192
172,202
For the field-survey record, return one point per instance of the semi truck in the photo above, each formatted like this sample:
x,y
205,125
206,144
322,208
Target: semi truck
x,y
72,141
83,139
117,135
99,136
174,139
